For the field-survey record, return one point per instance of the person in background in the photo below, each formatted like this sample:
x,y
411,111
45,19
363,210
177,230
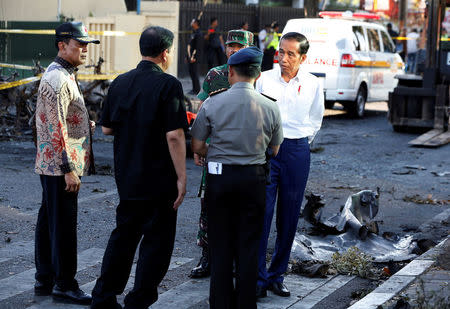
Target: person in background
x,y
411,50
193,48
271,44
214,44
299,95
64,154
262,37
244,25
145,112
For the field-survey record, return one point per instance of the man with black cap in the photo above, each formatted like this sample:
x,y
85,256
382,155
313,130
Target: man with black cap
x,y
241,125
64,154
215,80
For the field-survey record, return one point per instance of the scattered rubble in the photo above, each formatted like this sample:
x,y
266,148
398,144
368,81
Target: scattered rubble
x,y
428,200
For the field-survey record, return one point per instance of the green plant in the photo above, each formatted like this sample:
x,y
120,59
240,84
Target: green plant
x,y
353,262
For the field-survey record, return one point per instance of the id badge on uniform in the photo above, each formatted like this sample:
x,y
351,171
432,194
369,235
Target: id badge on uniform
x,y
215,168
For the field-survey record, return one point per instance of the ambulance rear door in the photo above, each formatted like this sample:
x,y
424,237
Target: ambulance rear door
x,y
378,67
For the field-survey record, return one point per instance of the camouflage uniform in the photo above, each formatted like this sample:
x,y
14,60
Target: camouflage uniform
x,y
215,80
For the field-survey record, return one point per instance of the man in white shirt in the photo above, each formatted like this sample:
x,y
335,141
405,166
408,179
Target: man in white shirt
x,y
262,36
299,95
411,49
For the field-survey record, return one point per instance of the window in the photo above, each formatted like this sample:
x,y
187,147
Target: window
x,y
374,39
387,44
359,42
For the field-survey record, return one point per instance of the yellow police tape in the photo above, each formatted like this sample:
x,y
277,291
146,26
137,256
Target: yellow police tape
x,y
16,66
19,82
36,78
96,76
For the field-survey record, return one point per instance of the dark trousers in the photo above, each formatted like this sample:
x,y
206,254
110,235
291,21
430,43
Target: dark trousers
x,y
151,222
56,234
267,62
193,72
236,201
289,172
213,54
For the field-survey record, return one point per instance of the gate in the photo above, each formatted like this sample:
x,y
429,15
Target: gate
x,y
230,17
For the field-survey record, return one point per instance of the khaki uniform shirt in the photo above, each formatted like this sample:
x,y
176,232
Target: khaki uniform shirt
x,y
241,124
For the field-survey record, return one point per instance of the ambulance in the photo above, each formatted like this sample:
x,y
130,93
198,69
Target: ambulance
x,y
354,59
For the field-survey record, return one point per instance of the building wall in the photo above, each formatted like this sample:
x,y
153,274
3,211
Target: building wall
x,y
121,53
47,10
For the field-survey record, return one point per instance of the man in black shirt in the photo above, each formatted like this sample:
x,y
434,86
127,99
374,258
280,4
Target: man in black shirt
x,y
215,46
192,55
144,111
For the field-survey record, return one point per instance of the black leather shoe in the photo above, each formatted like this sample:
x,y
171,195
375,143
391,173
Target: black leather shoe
x,y
42,289
260,292
71,296
279,289
202,269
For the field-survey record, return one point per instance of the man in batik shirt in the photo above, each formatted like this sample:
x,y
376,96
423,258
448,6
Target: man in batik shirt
x,y
64,154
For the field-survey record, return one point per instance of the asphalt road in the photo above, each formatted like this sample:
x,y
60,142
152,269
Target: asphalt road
x,y
352,155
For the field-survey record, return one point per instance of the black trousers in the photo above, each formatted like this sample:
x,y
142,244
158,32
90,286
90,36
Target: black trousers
x,y
56,234
193,72
267,62
236,203
213,54
151,222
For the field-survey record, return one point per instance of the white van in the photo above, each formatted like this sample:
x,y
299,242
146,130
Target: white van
x,y
356,60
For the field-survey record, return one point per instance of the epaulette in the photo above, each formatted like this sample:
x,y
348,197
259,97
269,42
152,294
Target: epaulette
x,y
270,98
218,91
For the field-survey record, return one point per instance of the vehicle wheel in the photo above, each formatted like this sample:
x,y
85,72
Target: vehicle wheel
x,y
329,104
358,107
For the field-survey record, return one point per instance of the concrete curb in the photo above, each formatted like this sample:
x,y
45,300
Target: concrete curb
x,y
400,280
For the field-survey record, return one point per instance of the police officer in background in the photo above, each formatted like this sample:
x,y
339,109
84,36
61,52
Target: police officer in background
x,y
242,124
216,79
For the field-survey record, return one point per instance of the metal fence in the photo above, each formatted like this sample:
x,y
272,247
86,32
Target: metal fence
x,y
230,16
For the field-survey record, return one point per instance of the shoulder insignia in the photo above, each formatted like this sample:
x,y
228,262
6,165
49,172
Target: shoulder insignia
x,y
217,91
270,98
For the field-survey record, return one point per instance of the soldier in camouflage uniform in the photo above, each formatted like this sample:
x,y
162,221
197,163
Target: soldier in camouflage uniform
x,y
215,80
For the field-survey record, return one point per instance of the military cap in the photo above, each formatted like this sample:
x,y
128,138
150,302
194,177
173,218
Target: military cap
x,y
76,31
250,55
242,37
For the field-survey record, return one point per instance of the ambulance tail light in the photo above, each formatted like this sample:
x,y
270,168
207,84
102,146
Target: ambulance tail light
x,y
347,61
275,57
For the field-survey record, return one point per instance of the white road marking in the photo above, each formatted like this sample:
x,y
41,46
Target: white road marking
x,y
48,303
24,281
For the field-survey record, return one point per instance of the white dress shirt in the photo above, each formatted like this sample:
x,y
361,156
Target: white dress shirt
x,y
262,37
301,101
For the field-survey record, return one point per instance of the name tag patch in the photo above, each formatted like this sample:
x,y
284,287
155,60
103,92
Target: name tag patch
x,y
215,168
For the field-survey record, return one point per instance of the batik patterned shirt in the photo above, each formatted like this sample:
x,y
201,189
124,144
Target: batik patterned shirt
x,y
62,123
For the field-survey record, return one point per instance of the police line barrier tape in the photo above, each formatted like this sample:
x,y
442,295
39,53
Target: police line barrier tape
x,y
16,66
19,82
36,78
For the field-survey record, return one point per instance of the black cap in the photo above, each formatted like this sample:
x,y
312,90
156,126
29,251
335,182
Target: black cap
x,y
76,31
250,55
